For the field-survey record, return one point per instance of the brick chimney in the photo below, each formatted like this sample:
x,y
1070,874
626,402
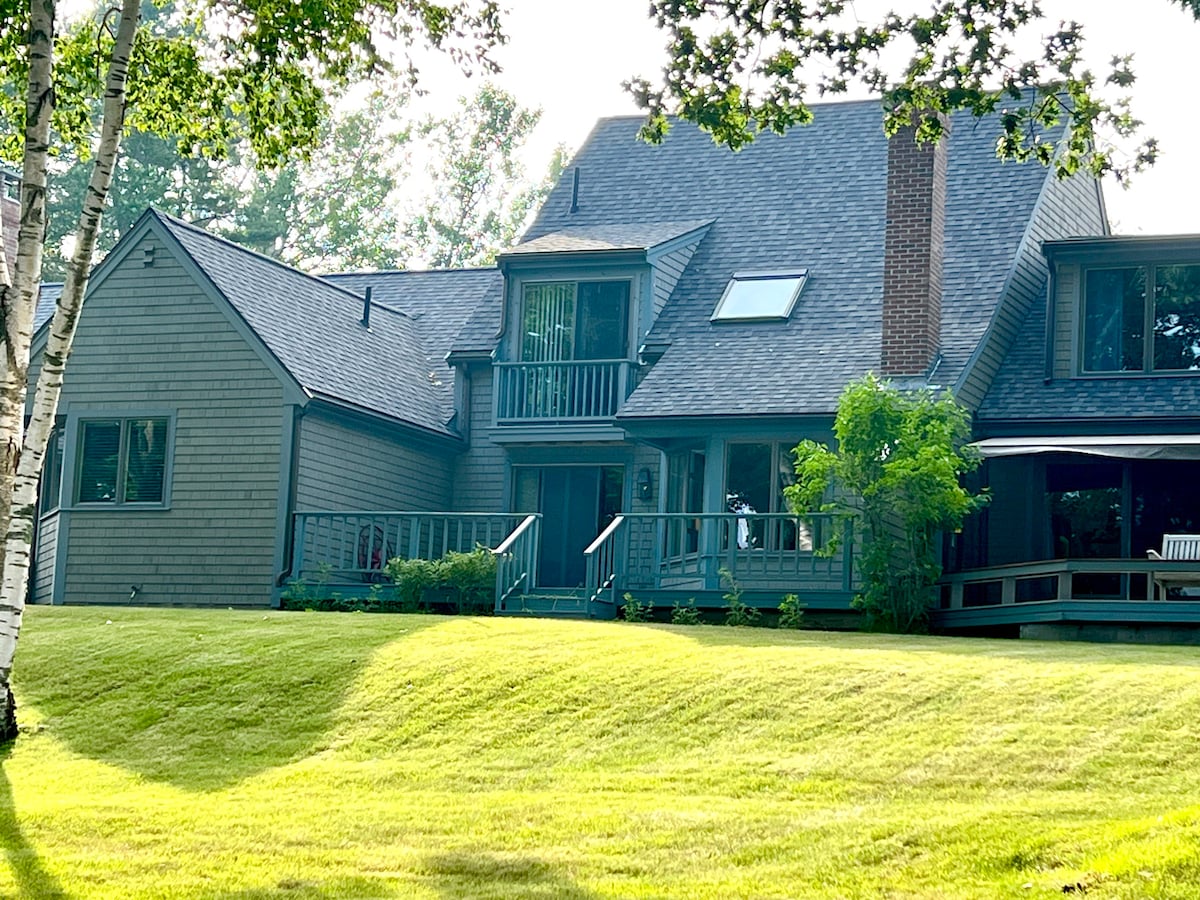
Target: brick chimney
x,y
912,263
10,209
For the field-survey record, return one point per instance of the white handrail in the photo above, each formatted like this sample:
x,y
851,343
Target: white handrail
x,y
604,535
506,544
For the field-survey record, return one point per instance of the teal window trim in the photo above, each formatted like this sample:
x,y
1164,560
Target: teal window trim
x,y
73,459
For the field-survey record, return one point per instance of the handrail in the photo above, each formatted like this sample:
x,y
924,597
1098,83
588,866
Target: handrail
x,y
526,524
516,561
603,560
604,535
687,551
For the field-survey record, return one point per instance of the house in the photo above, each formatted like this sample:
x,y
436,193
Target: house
x,y
612,406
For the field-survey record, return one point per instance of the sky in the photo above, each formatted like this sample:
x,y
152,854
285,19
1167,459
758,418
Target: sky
x,y
569,57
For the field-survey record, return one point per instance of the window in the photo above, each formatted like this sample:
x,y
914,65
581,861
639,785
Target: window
x,y
51,486
1141,319
567,320
755,476
121,461
760,295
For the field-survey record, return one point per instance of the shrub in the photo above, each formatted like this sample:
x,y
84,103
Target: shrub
x,y
738,614
466,582
634,610
791,612
685,615
902,455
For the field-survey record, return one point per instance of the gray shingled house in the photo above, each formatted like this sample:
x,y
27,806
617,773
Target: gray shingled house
x,y
611,408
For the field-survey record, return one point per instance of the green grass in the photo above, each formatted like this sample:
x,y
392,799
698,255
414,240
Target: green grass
x,y
230,754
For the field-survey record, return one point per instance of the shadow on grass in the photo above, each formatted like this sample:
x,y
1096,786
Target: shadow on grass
x,y
29,875
200,699
480,874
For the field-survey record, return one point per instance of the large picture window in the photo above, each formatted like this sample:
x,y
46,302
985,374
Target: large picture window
x,y
121,461
1141,319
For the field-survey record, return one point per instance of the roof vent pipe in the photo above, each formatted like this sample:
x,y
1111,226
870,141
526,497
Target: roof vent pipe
x,y
366,317
575,192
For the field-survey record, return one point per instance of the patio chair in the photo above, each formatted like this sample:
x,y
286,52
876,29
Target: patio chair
x,y
1176,548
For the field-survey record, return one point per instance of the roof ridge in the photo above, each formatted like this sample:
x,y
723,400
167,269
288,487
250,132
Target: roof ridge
x,y
364,273
625,117
169,219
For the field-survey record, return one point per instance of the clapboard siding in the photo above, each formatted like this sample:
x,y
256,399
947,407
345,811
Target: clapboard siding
x,y
42,584
667,270
1066,320
345,465
150,338
481,472
1067,208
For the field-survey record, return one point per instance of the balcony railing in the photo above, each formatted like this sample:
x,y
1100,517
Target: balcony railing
x,y
687,551
567,391
347,548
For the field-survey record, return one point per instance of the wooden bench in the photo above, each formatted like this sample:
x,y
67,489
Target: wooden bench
x,y
1175,548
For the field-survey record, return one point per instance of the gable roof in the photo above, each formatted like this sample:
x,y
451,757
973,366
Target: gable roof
x,y
438,301
314,329
814,197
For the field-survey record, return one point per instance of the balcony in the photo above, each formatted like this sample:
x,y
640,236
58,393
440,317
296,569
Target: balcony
x,y
560,392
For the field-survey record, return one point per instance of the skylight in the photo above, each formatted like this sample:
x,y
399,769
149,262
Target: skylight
x,y
760,295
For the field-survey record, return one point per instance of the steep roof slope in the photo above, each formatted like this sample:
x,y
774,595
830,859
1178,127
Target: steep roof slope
x,y
814,197
438,301
314,329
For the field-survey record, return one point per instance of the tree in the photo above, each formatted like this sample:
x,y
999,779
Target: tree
x,y
737,67
257,69
337,209
901,456
476,204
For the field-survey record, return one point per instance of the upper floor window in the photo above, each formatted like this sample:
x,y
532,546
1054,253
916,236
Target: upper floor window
x,y
568,320
121,461
1141,319
760,295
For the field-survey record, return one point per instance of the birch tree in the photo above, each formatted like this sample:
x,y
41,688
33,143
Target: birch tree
x,y
256,69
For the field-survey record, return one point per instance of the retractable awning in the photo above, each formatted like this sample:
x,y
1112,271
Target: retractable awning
x,y
1139,446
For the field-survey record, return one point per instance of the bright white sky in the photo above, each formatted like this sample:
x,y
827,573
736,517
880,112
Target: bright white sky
x,y
570,56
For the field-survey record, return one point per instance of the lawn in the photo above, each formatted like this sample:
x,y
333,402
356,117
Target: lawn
x,y
179,753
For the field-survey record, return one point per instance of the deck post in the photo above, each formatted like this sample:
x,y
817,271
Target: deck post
x,y
298,544
1008,591
1064,584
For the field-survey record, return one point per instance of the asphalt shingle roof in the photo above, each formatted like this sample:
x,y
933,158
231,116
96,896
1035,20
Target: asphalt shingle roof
x,y
1019,392
632,236
814,197
314,329
439,302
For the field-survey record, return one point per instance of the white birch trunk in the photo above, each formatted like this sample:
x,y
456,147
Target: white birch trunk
x,y
22,513
18,300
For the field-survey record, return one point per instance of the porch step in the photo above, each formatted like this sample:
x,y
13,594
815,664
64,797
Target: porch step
x,y
547,605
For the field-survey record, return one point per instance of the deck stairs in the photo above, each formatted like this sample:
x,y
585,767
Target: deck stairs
x,y
549,603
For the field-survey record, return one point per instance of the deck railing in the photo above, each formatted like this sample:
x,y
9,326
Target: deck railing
x,y
687,551
1057,579
354,547
516,562
571,390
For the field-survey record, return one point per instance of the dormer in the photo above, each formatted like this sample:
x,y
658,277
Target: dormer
x,y
578,305
1123,307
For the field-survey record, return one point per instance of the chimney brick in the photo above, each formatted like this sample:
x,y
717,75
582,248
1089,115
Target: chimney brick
x,y
913,249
